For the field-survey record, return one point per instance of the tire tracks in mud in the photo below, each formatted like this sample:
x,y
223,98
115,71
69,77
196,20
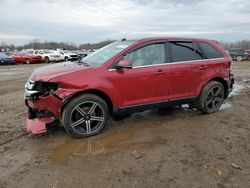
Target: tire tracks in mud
x,y
13,139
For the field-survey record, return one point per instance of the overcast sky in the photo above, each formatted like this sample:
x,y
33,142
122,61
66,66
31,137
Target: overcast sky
x,y
81,21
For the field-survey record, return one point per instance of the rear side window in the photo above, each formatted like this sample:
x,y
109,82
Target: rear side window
x,y
210,51
184,51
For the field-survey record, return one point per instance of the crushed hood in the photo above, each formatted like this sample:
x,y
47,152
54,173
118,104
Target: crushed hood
x,y
48,72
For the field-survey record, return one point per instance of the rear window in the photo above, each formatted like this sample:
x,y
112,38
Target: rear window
x,y
210,51
184,51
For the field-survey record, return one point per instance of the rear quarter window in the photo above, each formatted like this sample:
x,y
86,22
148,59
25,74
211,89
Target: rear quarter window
x,y
210,51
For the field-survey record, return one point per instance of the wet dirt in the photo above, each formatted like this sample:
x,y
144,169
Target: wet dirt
x,y
108,142
178,148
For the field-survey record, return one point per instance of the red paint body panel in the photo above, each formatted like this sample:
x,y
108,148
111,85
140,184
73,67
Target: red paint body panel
x,y
48,103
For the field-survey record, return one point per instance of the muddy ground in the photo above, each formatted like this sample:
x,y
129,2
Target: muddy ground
x,y
183,148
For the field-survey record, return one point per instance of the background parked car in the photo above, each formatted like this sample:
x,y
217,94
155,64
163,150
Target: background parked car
x,y
48,55
6,60
60,56
248,54
237,54
69,56
27,58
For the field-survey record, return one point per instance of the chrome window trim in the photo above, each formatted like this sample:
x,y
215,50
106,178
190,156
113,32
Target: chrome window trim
x,y
179,62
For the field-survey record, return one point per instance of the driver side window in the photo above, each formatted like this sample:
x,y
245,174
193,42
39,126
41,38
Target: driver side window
x,y
147,55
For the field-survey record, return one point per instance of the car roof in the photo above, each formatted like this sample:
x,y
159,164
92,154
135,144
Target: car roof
x,y
174,38
152,39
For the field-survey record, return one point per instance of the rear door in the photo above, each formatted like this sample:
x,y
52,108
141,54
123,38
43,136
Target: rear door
x,y
185,70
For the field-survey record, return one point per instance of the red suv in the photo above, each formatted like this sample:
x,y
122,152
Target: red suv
x,y
124,77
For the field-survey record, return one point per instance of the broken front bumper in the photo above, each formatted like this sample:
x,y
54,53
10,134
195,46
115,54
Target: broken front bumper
x,y
41,114
44,105
43,111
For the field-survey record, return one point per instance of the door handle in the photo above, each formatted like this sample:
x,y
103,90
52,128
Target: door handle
x,y
160,71
203,67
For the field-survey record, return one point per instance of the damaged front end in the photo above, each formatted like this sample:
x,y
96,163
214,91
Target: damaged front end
x,y
44,106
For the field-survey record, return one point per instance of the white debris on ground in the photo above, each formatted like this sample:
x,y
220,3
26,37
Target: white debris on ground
x,y
236,90
225,105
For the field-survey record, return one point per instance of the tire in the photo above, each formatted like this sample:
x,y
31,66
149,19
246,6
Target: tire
x,y
66,59
239,58
46,60
211,97
27,61
85,115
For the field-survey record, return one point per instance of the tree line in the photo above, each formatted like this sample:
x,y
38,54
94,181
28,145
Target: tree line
x,y
56,45
244,44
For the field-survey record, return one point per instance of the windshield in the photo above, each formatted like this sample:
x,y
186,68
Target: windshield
x,y
104,54
27,54
48,52
3,55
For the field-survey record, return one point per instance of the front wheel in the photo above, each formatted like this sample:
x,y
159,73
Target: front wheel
x,y
85,115
46,60
211,97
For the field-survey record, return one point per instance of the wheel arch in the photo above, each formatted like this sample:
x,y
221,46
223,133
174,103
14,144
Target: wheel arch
x,y
96,92
220,80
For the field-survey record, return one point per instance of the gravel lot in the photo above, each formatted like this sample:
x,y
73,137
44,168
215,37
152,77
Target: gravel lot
x,y
182,148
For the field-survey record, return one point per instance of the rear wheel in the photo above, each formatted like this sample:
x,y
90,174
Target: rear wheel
x,y
239,58
85,115
211,97
27,61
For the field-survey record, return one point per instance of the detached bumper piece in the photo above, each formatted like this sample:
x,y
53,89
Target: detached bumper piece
x,y
37,125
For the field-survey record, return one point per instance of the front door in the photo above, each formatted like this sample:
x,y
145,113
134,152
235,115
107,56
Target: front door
x,y
145,82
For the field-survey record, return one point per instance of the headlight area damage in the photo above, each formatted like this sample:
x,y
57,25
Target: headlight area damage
x,y
44,105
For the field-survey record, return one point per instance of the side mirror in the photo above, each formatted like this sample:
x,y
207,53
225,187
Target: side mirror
x,y
124,64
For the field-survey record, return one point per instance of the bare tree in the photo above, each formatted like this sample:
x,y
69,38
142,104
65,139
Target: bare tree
x,y
244,44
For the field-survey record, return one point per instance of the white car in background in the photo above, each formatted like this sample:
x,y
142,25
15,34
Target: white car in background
x,y
69,56
49,55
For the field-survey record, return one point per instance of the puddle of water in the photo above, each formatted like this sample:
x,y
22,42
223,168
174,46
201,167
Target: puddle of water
x,y
106,143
